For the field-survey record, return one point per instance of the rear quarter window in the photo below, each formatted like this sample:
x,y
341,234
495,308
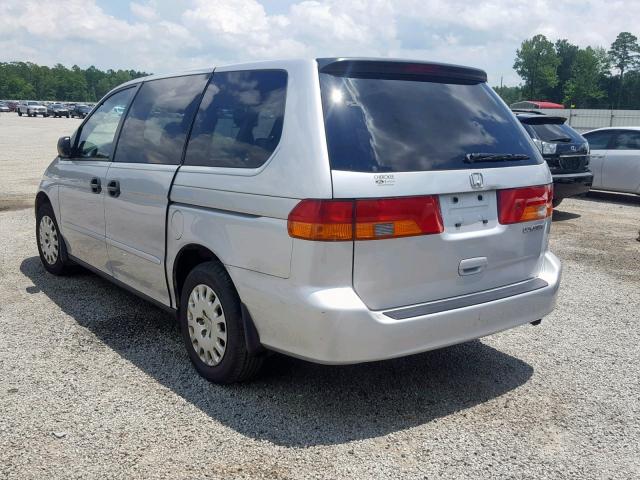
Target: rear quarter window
x,y
395,125
240,120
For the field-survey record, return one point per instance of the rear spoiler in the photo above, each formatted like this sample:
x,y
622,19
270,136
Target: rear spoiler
x,y
542,120
401,70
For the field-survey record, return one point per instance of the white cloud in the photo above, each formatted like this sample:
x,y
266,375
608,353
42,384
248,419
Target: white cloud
x,y
161,36
145,11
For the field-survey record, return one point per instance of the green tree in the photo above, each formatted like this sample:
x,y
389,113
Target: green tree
x,y
25,80
509,94
537,63
583,88
566,52
624,55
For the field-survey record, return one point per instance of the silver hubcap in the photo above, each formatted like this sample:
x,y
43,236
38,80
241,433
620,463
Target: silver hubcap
x,y
49,240
207,325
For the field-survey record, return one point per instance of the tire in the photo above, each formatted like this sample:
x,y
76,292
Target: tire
x,y
556,202
19,113
54,260
67,115
207,287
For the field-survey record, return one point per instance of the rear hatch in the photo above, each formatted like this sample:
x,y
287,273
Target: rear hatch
x,y
431,143
564,149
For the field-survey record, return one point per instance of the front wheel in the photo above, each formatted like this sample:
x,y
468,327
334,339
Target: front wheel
x,y
19,113
51,246
212,327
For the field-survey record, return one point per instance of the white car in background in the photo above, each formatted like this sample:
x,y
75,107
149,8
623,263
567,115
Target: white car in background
x,y
615,158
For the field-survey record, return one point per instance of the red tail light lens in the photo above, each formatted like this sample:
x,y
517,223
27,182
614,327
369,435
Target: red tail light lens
x,y
397,217
370,219
525,204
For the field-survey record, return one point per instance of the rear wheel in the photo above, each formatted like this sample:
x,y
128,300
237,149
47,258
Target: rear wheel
x,y
212,328
51,246
19,113
556,202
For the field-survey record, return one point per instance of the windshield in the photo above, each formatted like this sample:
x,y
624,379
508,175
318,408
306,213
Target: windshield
x,y
394,125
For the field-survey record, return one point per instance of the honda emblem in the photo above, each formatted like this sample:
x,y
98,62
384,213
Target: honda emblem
x,y
476,180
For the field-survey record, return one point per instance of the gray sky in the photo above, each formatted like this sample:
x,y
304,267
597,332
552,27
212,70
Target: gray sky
x,y
160,36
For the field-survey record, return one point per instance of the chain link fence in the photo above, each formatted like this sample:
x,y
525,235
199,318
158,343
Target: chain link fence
x,y
584,120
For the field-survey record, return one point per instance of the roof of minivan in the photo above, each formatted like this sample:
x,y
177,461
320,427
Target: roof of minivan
x,y
274,63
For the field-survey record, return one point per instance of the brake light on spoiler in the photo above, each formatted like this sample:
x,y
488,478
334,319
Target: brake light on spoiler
x,y
365,219
525,204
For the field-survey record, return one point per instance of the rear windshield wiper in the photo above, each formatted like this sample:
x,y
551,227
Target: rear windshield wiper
x,y
561,139
494,157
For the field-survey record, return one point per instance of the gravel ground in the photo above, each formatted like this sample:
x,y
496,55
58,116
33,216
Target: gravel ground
x,y
95,383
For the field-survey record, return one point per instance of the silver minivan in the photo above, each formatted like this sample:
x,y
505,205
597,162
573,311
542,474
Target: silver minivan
x,y
337,210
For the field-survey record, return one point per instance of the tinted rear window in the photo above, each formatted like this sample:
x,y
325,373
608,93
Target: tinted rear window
x,y
396,125
550,132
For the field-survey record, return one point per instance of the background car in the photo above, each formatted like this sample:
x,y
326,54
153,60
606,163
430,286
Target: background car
x,y
57,110
565,151
4,107
80,111
615,158
32,108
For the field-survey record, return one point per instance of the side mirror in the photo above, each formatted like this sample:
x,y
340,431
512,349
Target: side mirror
x,y
64,147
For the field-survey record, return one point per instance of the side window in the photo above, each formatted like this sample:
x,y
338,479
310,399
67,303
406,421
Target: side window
x,y
239,123
627,141
599,140
158,121
95,139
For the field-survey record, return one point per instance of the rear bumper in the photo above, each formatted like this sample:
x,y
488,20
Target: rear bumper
x,y
333,326
571,184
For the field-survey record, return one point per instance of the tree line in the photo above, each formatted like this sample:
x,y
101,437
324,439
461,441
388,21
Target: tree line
x,y
591,77
26,80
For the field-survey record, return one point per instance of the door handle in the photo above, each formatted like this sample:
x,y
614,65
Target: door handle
x,y
471,266
96,186
113,187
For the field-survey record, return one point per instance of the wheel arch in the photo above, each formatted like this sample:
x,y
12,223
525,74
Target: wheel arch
x,y
187,258
41,199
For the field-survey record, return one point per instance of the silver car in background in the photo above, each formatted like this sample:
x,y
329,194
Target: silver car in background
x,y
31,108
337,210
615,158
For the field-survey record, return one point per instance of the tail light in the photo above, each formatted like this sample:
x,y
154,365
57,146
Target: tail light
x,y
367,219
525,204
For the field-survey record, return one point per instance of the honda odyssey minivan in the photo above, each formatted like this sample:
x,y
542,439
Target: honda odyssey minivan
x,y
337,210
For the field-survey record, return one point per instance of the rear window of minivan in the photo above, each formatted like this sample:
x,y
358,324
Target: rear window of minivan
x,y
389,122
